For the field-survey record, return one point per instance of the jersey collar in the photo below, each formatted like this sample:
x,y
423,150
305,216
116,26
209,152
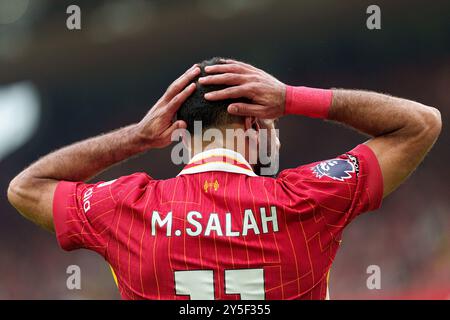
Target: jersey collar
x,y
218,160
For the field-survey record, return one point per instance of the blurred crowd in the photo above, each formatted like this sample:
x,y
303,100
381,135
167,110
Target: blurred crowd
x,y
86,83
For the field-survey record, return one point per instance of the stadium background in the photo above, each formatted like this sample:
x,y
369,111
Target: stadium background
x,y
59,86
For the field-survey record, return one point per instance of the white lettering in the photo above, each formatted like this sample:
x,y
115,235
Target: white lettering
x,y
195,223
156,219
213,225
272,218
249,223
228,224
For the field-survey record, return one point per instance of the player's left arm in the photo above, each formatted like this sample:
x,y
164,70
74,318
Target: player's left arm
x,y
32,191
402,131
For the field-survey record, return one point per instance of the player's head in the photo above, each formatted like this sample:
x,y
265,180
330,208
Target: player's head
x,y
203,116
211,114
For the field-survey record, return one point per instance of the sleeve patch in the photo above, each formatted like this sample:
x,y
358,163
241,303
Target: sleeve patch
x,y
355,162
337,169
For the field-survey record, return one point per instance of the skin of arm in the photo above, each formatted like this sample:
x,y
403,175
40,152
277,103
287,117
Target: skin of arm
x,y
402,131
31,192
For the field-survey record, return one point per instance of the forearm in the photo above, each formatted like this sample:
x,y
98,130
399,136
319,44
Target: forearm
x,y
86,159
372,113
377,114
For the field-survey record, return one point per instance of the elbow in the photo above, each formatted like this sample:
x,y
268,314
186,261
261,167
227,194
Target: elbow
x,y
19,190
434,123
14,191
429,124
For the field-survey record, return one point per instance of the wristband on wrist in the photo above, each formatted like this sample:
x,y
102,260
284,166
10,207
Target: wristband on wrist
x,y
309,102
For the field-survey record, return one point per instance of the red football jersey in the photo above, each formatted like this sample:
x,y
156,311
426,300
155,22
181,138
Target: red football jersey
x,y
218,231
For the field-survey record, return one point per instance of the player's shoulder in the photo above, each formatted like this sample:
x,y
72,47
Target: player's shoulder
x,y
132,179
128,184
343,168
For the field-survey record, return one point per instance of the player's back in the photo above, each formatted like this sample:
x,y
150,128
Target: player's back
x,y
218,231
220,235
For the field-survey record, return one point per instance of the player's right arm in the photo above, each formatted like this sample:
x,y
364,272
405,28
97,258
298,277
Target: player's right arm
x,y
402,131
33,191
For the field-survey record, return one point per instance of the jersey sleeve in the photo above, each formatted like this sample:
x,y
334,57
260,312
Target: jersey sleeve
x,y
341,188
83,213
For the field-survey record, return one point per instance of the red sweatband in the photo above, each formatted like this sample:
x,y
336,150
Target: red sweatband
x,y
309,102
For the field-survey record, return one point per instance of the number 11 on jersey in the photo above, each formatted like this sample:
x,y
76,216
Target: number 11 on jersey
x,y
199,284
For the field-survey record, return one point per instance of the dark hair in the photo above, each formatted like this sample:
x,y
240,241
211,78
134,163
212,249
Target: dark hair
x,y
211,113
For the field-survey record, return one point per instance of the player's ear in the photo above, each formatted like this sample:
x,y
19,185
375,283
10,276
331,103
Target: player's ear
x,y
251,123
186,139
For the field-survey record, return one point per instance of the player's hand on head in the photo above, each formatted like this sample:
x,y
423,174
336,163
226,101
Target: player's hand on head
x,y
157,126
267,94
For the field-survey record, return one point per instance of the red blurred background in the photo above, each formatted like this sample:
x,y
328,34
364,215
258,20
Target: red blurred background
x,y
58,86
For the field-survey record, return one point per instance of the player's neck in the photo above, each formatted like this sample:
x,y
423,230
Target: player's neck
x,y
224,141
229,145
233,137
